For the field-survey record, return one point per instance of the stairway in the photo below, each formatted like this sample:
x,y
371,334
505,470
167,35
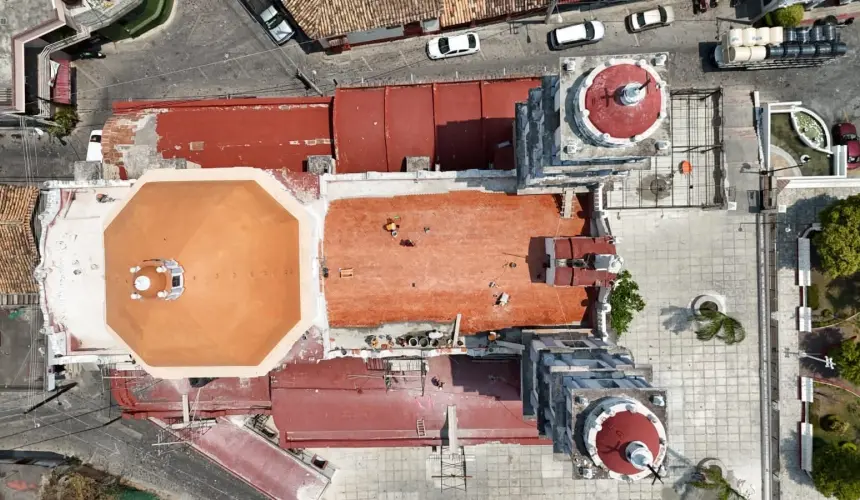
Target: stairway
x,y
422,431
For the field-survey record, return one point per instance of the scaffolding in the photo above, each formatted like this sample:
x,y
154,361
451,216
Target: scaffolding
x,y
692,175
402,374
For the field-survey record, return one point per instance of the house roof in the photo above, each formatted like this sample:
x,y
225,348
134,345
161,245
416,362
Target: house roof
x,y
238,315
327,18
18,253
463,242
458,12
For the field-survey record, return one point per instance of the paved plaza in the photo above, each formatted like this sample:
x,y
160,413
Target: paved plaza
x,y
674,255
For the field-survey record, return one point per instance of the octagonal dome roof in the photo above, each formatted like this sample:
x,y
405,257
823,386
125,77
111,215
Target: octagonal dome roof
x,y
241,250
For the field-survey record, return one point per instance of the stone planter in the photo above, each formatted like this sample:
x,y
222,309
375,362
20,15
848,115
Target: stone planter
x,y
710,301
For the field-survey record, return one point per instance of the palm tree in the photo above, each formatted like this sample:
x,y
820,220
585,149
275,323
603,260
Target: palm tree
x,y
711,478
715,324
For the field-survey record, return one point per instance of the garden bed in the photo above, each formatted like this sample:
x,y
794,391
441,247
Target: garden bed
x,y
831,400
783,135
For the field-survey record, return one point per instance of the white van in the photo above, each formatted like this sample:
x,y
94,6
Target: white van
x,y
94,147
576,35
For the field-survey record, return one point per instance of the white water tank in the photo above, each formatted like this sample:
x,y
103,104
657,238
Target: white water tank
x,y
735,37
750,36
762,36
758,53
776,35
739,54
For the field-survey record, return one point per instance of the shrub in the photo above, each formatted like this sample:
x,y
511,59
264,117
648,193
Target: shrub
x,y
833,423
788,17
65,120
624,300
836,471
814,299
854,408
846,357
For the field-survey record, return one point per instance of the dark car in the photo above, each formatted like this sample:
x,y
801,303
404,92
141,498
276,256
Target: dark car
x,y
845,134
271,17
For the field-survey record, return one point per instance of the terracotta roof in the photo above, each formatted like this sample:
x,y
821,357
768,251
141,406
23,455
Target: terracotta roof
x,y
18,253
618,432
458,12
326,18
239,239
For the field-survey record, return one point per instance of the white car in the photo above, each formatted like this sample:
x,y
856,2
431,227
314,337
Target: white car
x,y
577,34
452,46
94,147
648,19
279,29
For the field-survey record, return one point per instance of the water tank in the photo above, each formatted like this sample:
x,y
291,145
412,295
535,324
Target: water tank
x,y
791,51
807,50
739,54
831,32
823,49
762,36
802,35
758,53
790,35
775,51
839,49
816,34
735,37
750,36
776,35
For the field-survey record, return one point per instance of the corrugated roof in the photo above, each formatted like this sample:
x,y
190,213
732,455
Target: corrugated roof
x,y
18,254
326,18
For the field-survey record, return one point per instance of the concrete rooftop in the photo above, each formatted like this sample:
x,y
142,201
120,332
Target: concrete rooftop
x,y
20,16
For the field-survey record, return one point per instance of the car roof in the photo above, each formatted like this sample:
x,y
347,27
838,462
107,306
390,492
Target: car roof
x,y
573,33
459,42
846,128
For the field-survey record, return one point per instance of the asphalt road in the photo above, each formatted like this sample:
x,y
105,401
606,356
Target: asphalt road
x,y
214,48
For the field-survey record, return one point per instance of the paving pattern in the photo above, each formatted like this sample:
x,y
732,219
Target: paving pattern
x,y
713,389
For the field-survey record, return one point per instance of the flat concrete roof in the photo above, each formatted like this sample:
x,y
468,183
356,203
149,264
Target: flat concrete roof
x,y
21,16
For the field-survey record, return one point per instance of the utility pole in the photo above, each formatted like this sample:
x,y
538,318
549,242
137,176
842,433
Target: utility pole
x,y
553,6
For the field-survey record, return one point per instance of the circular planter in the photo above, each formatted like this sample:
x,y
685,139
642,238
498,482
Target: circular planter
x,y
712,302
811,129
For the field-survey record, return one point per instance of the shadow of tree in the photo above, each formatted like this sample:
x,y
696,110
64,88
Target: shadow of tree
x,y
818,343
677,319
799,216
789,450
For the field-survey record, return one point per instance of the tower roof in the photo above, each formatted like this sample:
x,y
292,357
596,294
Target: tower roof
x,y
618,433
244,248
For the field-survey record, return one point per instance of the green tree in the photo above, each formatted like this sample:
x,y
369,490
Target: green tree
x,y
714,324
838,242
787,17
836,471
846,357
833,423
624,300
711,478
65,120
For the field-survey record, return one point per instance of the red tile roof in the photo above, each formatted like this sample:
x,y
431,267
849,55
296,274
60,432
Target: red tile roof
x,y
465,125
472,239
18,253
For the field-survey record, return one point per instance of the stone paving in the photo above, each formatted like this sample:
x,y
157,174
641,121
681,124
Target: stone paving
x,y
713,389
674,255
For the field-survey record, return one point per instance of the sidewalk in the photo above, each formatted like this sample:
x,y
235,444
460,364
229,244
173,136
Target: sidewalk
x,y
841,12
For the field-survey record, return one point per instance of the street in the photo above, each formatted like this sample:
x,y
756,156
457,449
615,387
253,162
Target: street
x,y
214,48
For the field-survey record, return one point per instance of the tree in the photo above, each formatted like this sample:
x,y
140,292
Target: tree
x,y
838,242
65,120
714,324
846,357
711,478
836,471
624,300
787,17
835,424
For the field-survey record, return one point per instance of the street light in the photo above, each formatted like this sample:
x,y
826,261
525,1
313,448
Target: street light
x,y
804,159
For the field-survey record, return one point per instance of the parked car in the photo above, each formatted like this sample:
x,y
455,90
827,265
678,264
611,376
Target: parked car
x,y
452,46
845,134
576,35
94,147
650,19
273,19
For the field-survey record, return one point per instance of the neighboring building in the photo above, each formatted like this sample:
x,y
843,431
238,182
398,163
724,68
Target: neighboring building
x,y
17,245
339,24
34,71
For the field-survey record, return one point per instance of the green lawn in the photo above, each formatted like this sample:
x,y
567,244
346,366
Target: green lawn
x,y
834,401
782,134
